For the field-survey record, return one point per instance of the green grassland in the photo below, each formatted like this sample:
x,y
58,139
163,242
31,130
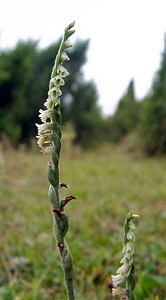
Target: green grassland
x,y
107,183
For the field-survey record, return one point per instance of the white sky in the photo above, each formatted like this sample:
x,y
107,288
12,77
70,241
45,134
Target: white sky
x,y
127,37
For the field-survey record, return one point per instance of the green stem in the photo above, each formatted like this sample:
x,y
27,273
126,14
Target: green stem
x,y
70,290
50,137
129,290
59,222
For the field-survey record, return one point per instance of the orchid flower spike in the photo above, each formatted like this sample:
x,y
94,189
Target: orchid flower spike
x,y
49,140
51,117
126,270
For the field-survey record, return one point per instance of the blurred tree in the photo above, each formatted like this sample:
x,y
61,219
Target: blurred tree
x,y
126,117
16,70
24,77
86,115
153,121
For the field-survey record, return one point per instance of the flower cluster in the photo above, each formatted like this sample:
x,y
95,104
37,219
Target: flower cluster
x,y
128,252
46,130
51,116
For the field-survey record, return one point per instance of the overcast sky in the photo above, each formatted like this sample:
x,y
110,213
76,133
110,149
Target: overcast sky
x,y
126,37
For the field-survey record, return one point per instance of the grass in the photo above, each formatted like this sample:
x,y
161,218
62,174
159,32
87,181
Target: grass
x,y
107,183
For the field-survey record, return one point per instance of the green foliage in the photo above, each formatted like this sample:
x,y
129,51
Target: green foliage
x,y
153,120
146,118
15,76
109,183
126,117
24,75
151,285
85,115
153,126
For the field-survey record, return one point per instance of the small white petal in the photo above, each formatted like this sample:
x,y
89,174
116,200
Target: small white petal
x,y
117,279
131,225
130,235
127,259
123,269
40,141
128,248
64,57
54,93
135,216
46,127
68,45
62,71
50,103
46,114
45,139
57,80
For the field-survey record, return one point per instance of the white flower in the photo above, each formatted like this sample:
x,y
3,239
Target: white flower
x,y
128,253
51,117
51,103
45,128
123,269
46,114
54,93
130,235
41,141
62,71
44,140
131,225
128,249
64,56
57,80
127,259
117,279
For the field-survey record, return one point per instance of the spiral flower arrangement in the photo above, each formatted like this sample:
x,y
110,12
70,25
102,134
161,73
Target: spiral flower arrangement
x,y
126,271
49,140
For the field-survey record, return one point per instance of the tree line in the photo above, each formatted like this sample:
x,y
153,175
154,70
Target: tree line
x,y
24,76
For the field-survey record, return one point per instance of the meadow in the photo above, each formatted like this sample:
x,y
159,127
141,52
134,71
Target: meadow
x,y
107,183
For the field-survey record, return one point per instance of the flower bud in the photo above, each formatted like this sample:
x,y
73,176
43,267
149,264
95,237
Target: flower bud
x,y
64,57
68,45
